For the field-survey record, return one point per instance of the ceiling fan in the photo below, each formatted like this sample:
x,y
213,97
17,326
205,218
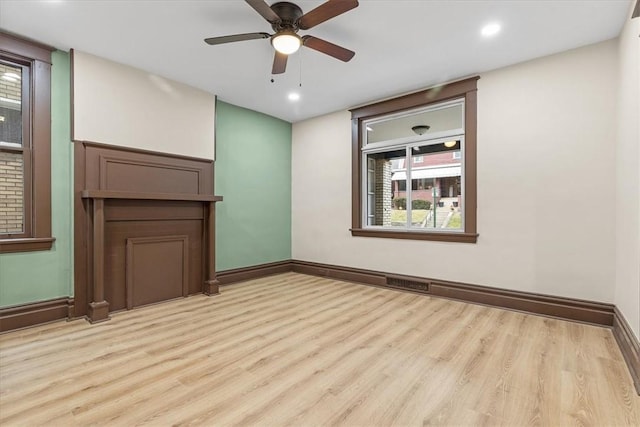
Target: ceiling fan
x,y
287,19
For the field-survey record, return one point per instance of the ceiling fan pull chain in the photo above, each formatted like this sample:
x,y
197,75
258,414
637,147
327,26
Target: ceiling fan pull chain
x,y
300,81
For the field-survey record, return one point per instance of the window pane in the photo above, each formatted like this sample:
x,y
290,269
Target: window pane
x,y
438,120
11,161
436,184
381,191
10,104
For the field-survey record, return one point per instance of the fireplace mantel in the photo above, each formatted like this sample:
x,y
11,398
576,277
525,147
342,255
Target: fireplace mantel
x,y
101,194
145,228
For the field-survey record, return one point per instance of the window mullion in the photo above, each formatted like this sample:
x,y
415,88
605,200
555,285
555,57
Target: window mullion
x,y
409,186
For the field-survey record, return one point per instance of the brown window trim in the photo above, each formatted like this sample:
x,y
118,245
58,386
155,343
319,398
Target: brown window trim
x,y
466,89
11,149
37,150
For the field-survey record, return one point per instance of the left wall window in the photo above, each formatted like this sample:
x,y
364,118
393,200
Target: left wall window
x,y
25,145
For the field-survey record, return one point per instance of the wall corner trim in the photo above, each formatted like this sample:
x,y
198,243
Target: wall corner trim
x,y
629,346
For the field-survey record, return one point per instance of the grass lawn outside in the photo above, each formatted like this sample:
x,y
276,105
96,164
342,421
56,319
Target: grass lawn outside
x,y
455,221
399,217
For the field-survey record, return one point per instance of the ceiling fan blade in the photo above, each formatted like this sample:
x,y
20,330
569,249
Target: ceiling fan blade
x,y
636,10
236,38
326,11
328,48
263,9
279,63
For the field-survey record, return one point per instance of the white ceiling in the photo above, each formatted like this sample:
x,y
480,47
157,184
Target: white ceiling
x,y
400,46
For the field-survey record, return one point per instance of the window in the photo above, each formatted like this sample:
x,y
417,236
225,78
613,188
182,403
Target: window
x,y
420,152
25,133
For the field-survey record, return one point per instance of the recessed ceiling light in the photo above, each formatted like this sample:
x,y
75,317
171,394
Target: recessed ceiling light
x,y
293,96
491,30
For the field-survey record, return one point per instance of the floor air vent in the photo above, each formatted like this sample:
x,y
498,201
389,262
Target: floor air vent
x,y
413,285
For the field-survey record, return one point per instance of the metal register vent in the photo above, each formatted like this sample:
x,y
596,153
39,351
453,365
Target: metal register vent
x,y
413,285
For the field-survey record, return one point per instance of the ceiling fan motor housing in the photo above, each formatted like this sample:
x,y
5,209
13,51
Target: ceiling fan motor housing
x,y
289,14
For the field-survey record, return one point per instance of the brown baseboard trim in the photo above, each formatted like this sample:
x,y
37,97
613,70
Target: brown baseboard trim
x,y
341,273
227,277
629,346
25,315
563,308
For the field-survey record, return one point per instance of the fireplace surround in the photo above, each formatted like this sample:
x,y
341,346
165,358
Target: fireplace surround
x,y
144,228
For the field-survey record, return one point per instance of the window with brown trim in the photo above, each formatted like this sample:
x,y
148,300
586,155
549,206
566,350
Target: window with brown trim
x,y
25,145
414,165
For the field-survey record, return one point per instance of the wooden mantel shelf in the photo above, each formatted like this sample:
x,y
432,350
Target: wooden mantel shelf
x,y
105,194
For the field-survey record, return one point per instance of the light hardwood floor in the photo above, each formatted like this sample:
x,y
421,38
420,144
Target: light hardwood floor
x,y
300,350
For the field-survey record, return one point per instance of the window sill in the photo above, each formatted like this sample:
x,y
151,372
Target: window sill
x,y
26,244
416,235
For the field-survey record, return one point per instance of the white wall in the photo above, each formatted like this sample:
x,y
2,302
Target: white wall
x,y
121,105
627,296
546,185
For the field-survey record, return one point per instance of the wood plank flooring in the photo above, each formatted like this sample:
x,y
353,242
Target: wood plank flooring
x,y
299,350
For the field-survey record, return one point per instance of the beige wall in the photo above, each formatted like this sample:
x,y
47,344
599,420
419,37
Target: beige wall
x,y
546,185
120,105
627,296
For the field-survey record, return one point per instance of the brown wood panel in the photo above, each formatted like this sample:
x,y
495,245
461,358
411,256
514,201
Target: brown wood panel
x,y
126,175
152,210
157,269
116,235
81,239
119,169
211,283
98,310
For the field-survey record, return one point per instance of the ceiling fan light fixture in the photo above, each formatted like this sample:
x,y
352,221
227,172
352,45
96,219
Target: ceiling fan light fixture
x,y
420,129
286,42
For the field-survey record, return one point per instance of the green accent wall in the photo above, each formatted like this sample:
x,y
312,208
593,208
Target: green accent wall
x,y
253,174
37,276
